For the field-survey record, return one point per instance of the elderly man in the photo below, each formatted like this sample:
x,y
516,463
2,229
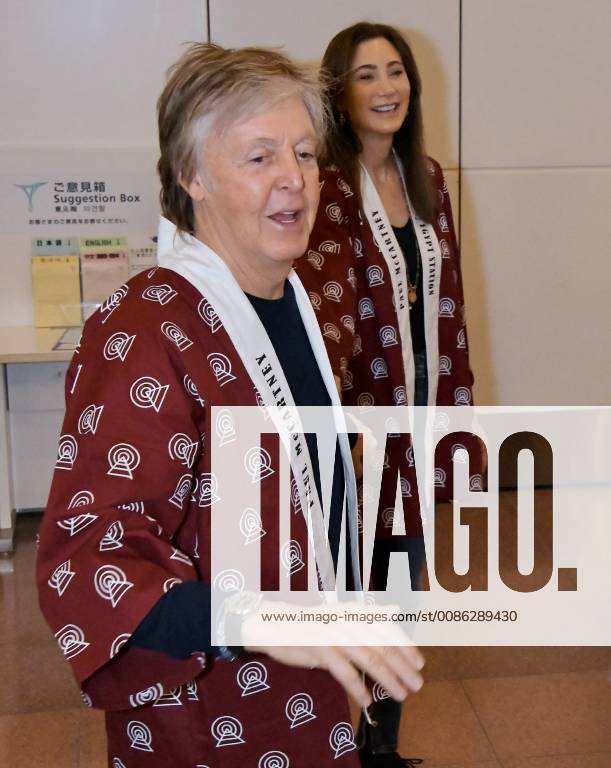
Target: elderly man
x,y
124,562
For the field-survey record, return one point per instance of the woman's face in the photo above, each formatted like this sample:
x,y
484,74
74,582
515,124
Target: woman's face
x,y
256,202
377,91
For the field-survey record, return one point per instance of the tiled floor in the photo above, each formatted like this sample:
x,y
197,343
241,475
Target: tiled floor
x,y
480,707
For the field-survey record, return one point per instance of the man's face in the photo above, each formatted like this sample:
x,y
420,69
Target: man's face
x,y
258,198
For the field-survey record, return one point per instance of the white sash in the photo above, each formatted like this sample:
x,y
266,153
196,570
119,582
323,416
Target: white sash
x,y
209,274
430,258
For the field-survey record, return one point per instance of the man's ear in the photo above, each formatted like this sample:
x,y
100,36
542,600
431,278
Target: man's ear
x,y
194,188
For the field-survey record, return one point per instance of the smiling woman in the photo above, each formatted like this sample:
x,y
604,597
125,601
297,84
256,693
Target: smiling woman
x,y
125,579
385,207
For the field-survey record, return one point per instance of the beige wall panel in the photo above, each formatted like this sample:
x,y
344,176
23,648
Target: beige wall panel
x,y
535,258
306,28
77,74
535,83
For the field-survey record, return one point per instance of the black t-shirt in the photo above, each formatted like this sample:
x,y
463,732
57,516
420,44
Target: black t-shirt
x,y
406,237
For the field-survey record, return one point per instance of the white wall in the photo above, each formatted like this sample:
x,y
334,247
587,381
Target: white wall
x,y
536,188
516,110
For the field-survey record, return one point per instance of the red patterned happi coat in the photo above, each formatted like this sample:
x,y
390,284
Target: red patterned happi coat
x,y
337,271
128,518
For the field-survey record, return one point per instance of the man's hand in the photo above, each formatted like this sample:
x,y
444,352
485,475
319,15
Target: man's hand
x,y
345,649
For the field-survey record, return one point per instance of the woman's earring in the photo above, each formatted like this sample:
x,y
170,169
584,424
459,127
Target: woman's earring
x,y
341,119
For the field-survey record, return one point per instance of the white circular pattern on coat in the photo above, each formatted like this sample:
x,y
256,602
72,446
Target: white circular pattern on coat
x,y
258,464
111,583
348,381
172,332
342,185
67,451
348,322
442,422
462,396
406,488
139,736
209,316
460,458
366,309
375,276
112,302
147,392
329,246
341,739
118,643
273,759
183,449
112,538
334,212
118,345
461,339
227,731
291,557
379,692
409,455
476,483
250,525
148,695
183,489
351,278
61,577
400,395
89,419
316,259
76,524
447,307
71,640
388,517
365,401
208,487
221,368
192,389
229,580
445,365
388,336
225,427
81,499
300,709
440,477
171,582
252,678
333,291
379,368
332,332
315,300
160,293
123,458
133,506
295,496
